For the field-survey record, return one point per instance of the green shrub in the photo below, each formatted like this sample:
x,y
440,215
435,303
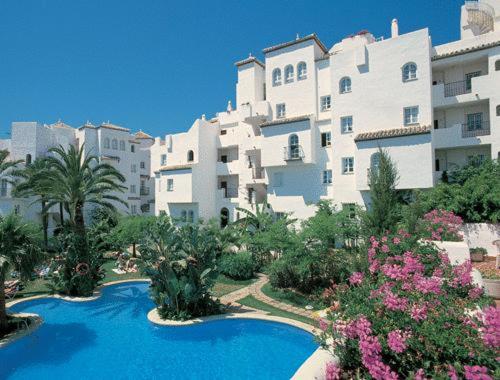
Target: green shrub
x,y
238,266
478,250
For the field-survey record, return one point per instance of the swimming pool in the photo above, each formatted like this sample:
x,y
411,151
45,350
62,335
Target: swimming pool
x,y
112,338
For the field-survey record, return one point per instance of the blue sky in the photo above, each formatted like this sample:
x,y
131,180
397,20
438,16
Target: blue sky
x,y
156,65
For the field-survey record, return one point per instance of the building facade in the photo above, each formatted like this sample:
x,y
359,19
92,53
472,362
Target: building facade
x,y
309,121
129,153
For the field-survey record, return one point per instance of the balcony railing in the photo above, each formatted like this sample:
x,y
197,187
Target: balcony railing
x,y
457,88
476,129
144,191
292,153
230,192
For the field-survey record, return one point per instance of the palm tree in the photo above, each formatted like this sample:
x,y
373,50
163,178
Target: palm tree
x,y
258,220
7,166
19,250
30,186
77,179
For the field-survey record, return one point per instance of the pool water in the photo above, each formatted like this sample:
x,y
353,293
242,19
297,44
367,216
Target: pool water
x,y
112,338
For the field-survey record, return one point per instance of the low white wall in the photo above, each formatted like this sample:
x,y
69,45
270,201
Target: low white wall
x,y
482,235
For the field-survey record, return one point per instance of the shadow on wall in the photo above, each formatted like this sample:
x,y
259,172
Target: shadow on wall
x,y
482,235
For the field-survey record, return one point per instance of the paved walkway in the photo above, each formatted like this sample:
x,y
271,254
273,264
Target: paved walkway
x,y
255,290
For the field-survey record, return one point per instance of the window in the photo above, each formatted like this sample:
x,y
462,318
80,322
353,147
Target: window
x,y
106,143
474,121
476,160
498,110
122,145
114,144
374,161
301,71
17,209
345,85
468,79
280,110
183,216
190,156
325,103
438,165
163,159
170,184
278,179
326,139
279,215
3,188
327,177
190,216
293,147
132,189
346,124
133,168
347,165
132,148
133,209
350,208
411,115
28,159
277,77
289,74
497,65
223,132
143,165
409,72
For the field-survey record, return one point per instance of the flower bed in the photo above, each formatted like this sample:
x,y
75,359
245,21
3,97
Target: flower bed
x,y
413,315
442,225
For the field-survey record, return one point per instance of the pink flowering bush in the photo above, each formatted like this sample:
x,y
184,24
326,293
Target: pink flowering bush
x,y
412,315
441,225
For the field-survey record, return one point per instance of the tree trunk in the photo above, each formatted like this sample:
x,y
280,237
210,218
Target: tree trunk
x,y
3,310
133,250
79,220
45,225
61,213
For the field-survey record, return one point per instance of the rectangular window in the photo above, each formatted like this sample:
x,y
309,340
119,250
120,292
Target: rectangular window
x,y
190,216
133,209
327,177
346,124
163,159
183,216
278,179
411,115
132,148
438,166
474,121
122,145
133,168
350,208
280,110
143,164
468,79
326,139
347,165
170,184
3,188
132,189
476,159
326,103
223,132
279,215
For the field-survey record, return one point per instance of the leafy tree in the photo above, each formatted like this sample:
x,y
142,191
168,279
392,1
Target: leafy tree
x,y
181,261
30,186
131,230
19,250
384,210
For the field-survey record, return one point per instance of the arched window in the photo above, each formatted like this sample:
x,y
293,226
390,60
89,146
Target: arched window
x,y
28,159
122,145
224,217
497,65
114,144
276,77
190,156
498,110
293,146
288,74
301,71
106,143
409,72
345,85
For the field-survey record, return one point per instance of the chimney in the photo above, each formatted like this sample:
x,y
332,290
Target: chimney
x,y
394,28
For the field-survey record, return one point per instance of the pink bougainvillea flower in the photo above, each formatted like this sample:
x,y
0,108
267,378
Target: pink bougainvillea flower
x,y
356,278
332,371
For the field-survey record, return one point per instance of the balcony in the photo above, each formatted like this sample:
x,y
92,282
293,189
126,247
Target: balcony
x,y
465,91
227,168
258,173
476,129
293,153
460,135
457,88
144,191
229,192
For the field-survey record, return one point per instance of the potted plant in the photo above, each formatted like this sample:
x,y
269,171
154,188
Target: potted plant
x,y
477,254
491,280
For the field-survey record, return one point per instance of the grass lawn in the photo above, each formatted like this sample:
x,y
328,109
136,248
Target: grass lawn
x,y
252,302
225,285
287,296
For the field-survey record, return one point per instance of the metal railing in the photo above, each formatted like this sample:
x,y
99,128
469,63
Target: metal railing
x,y
293,152
457,88
144,191
229,192
474,129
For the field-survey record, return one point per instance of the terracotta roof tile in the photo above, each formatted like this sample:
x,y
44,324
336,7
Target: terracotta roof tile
x,y
249,60
312,36
142,135
285,121
112,126
466,50
391,133
175,167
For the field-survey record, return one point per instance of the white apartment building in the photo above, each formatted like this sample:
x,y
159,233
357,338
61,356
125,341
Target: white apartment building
x,y
308,121
129,153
